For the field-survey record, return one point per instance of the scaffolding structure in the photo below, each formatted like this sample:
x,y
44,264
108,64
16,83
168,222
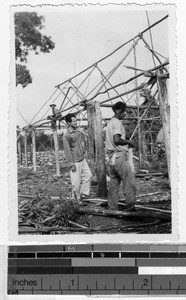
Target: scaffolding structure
x,y
90,93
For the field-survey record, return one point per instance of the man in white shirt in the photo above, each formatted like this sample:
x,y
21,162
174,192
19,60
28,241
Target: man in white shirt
x,y
117,148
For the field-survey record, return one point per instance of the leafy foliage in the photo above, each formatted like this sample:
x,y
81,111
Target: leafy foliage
x,y
28,37
22,75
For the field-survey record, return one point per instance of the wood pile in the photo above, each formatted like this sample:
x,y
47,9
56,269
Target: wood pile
x,y
39,213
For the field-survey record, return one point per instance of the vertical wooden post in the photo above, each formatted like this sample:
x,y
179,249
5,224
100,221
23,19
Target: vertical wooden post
x,y
91,139
51,141
19,147
100,152
34,149
56,147
30,152
138,112
165,115
25,146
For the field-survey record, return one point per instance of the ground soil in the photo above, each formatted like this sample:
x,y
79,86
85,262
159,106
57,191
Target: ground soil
x,y
45,205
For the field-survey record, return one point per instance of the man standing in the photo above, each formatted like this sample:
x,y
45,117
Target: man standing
x,y
74,148
117,148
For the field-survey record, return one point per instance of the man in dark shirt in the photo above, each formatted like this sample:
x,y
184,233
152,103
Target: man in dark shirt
x,y
74,148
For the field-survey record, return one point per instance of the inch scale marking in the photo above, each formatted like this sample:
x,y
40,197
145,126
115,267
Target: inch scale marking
x,y
95,284
97,270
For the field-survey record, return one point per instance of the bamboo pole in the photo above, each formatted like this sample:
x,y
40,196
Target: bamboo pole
x,y
100,152
140,34
34,149
138,112
69,100
132,106
152,51
141,86
120,95
83,81
115,68
108,82
78,93
25,146
136,76
152,46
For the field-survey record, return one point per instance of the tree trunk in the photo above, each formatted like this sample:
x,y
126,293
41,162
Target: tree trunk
x,y
165,115
100,152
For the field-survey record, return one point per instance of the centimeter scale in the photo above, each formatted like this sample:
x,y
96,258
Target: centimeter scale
x,y
97,269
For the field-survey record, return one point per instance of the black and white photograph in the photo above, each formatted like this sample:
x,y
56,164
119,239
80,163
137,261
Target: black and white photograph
x,y
93,120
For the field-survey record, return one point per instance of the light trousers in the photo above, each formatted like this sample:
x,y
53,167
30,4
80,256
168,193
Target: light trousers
x,y
81,179
121,171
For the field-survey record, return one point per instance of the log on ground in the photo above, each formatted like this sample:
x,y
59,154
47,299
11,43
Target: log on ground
x,y
121,214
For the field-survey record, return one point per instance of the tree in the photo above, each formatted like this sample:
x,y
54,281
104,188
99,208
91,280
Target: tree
x,y
22,75
28,37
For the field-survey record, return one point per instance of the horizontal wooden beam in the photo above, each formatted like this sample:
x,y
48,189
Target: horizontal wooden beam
x,y
132,106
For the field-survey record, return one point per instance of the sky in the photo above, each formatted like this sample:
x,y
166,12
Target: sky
x,y
83,36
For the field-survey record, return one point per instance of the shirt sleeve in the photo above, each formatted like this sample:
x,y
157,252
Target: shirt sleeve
x,y
67,151
117,127
84,142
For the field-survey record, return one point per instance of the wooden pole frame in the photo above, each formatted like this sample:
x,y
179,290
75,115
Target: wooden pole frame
x,y
140,34
100,90
34,149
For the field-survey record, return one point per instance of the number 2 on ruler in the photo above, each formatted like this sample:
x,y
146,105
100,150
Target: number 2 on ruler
x,y
145,282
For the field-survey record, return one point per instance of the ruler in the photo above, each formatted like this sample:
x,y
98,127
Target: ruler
x,y
101,269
